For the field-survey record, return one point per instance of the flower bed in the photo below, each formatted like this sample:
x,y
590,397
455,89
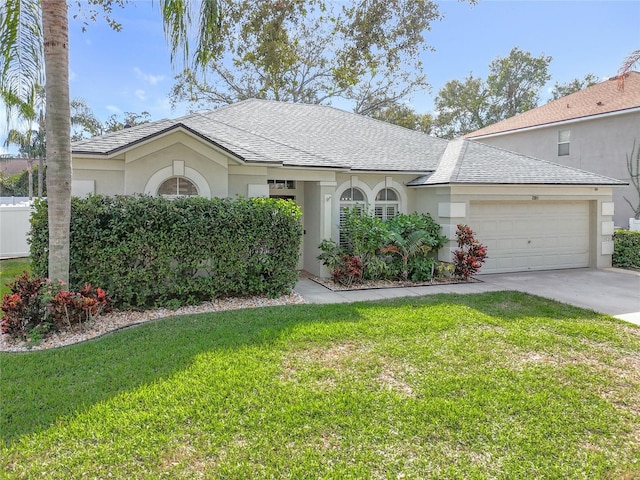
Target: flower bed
x,y
375,284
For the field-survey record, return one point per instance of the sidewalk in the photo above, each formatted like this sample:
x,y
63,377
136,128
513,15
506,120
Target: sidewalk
x,y
612,291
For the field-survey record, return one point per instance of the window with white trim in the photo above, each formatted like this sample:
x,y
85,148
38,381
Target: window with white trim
x,y
564,137
177,187
351,198
386,204
282,184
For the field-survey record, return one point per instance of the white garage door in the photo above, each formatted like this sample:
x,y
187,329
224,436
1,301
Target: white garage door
x,y
535,235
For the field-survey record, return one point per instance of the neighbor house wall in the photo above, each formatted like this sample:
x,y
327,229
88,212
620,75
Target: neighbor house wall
x,y
599,144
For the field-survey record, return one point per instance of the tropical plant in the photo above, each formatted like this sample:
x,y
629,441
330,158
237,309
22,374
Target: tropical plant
x,y
418,242
400,247
331,255
364,233
31,145
629,62
20,184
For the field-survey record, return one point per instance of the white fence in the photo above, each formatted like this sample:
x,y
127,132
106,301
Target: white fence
x,y
14,228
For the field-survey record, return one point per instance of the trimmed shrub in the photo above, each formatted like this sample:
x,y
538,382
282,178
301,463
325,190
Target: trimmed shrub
x,y
626,249
148,251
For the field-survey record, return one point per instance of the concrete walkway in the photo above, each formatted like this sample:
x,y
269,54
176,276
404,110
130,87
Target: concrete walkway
x,y
612,291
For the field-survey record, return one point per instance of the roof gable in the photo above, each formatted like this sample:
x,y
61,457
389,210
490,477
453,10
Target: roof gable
x,y
611,96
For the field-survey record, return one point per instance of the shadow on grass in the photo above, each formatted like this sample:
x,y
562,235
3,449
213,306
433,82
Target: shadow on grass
x,y
39,388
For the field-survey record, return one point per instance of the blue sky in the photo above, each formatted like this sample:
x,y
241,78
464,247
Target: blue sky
x,y
115,72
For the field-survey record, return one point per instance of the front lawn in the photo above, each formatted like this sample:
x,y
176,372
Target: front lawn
x,y
9,270
497,385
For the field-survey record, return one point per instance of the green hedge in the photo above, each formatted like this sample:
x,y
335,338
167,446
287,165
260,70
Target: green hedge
x,y
146,251
626,250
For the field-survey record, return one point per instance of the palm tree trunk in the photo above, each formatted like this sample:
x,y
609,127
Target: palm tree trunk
x,y
40,175
58,127
30,175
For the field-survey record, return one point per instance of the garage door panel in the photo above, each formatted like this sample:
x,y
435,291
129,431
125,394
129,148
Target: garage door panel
x,y
533,235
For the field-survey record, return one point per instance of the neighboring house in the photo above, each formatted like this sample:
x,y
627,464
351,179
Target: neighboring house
x,y
12,165
532,214
593,129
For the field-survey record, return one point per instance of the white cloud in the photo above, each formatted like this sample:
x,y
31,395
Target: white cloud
x,y
113,109
147,77
72,75
140,94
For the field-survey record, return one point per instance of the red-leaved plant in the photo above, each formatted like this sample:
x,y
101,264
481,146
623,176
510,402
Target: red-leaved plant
x,y
36,304
469,259
68,308
25,307
349,271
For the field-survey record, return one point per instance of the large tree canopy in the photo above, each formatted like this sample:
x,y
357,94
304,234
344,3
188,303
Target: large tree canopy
x,y
405,116
512,86
85,123
311,51
563,89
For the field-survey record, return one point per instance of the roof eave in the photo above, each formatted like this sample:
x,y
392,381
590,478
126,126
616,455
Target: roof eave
x,y
538,184
146,139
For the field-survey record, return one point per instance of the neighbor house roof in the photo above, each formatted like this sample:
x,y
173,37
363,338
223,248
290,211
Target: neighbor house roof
x,y
299,135
611,96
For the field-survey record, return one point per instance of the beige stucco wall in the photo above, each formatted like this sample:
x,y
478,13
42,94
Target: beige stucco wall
x,y
107,174
450,206
318,190
600,144
145,161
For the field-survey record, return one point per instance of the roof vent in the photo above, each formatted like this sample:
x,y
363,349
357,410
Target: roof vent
x,y
599,104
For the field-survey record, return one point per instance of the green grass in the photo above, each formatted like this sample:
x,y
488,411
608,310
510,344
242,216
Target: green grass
x,y
10,269
498,385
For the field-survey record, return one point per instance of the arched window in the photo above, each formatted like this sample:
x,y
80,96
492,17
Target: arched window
x,y
352,195
177,187
351,198
386,204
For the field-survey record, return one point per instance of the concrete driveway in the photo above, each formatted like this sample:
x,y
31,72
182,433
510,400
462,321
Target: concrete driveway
x,y
612,291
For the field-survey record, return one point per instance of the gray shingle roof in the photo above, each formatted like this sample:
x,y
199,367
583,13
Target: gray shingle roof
x,y
468,161
263,131
295,135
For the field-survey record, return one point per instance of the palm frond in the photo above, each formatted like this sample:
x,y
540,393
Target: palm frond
x,y
179,30
21,55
